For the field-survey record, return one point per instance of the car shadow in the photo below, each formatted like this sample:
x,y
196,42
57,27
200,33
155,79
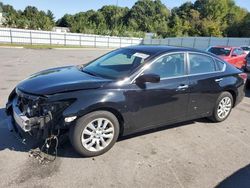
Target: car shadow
x,y
240,178
12,141
163,128
8,140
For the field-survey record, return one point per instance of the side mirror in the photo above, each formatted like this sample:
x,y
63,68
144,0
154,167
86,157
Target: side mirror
x,y
234,55
151,78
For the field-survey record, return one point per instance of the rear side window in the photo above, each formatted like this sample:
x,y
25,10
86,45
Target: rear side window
x,y
201,64
240,51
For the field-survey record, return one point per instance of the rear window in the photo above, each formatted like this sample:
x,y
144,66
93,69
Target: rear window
x,y
220,51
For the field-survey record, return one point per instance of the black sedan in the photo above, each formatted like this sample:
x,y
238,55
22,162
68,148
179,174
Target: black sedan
x,y
125,91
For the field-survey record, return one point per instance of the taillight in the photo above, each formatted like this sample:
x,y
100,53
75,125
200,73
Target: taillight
x,y
243,76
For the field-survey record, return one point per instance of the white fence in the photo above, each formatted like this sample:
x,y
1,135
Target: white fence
x,y
201,43
23,36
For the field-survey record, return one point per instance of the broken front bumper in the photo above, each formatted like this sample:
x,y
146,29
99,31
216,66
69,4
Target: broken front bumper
x,y
39,127
20,119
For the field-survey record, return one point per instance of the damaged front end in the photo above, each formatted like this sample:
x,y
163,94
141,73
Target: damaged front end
x,y
36,115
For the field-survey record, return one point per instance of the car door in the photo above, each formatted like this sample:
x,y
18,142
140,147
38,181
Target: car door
x,y
238,58
204,79
234,57
242,58
155,104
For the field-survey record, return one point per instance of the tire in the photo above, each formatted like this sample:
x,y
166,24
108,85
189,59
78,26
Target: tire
x,y
219,113
94,133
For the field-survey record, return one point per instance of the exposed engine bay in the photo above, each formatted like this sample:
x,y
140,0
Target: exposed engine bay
x,y
38,118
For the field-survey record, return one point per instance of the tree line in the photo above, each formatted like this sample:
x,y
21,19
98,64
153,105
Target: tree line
x,y
201,18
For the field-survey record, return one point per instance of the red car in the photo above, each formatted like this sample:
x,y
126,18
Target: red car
x,y
233,55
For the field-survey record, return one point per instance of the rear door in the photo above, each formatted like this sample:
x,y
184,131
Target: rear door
x,y
204,79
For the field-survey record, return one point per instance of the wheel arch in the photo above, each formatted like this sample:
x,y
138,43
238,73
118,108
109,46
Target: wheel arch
x,y
114,111
234,95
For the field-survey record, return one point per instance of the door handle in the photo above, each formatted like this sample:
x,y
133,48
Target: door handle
x,y
182,87
219,79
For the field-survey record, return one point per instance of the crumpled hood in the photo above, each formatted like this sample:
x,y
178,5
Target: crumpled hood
x,y
59,80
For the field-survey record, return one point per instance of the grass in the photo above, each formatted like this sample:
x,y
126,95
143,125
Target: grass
x,y
39,46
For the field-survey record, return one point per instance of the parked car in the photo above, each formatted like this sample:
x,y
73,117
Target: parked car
x,y
246,49
233,55
123,92
248,63
247,69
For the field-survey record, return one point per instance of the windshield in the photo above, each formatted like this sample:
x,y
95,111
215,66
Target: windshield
x,y
220,51
246,48
117,64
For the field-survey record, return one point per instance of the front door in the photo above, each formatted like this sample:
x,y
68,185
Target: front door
x,y
155,104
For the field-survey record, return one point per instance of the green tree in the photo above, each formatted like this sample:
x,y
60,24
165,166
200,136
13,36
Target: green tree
x,y
244,27
201,18
50,15
149,16
10,16
65,21
234,21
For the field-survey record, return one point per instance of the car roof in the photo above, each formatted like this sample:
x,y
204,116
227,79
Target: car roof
x,y
154,49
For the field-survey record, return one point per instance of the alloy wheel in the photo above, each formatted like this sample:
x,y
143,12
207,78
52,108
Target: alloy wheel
x,y
97,135
224,107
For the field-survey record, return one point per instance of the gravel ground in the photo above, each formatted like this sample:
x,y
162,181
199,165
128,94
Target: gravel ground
x,y
192,154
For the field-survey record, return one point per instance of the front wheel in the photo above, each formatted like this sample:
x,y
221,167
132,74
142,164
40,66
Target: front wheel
x,y
223,107
94,133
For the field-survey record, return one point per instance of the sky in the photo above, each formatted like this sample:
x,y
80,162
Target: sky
x,y
61,7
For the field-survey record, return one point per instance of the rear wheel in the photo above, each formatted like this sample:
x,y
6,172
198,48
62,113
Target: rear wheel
x,y
94,133
223,107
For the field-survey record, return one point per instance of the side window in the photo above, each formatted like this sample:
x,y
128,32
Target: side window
x,y
235,51
240,51
201,64
168,66
220,65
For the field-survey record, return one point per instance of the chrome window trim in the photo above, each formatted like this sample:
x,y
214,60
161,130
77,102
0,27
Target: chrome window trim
x,y
186,65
